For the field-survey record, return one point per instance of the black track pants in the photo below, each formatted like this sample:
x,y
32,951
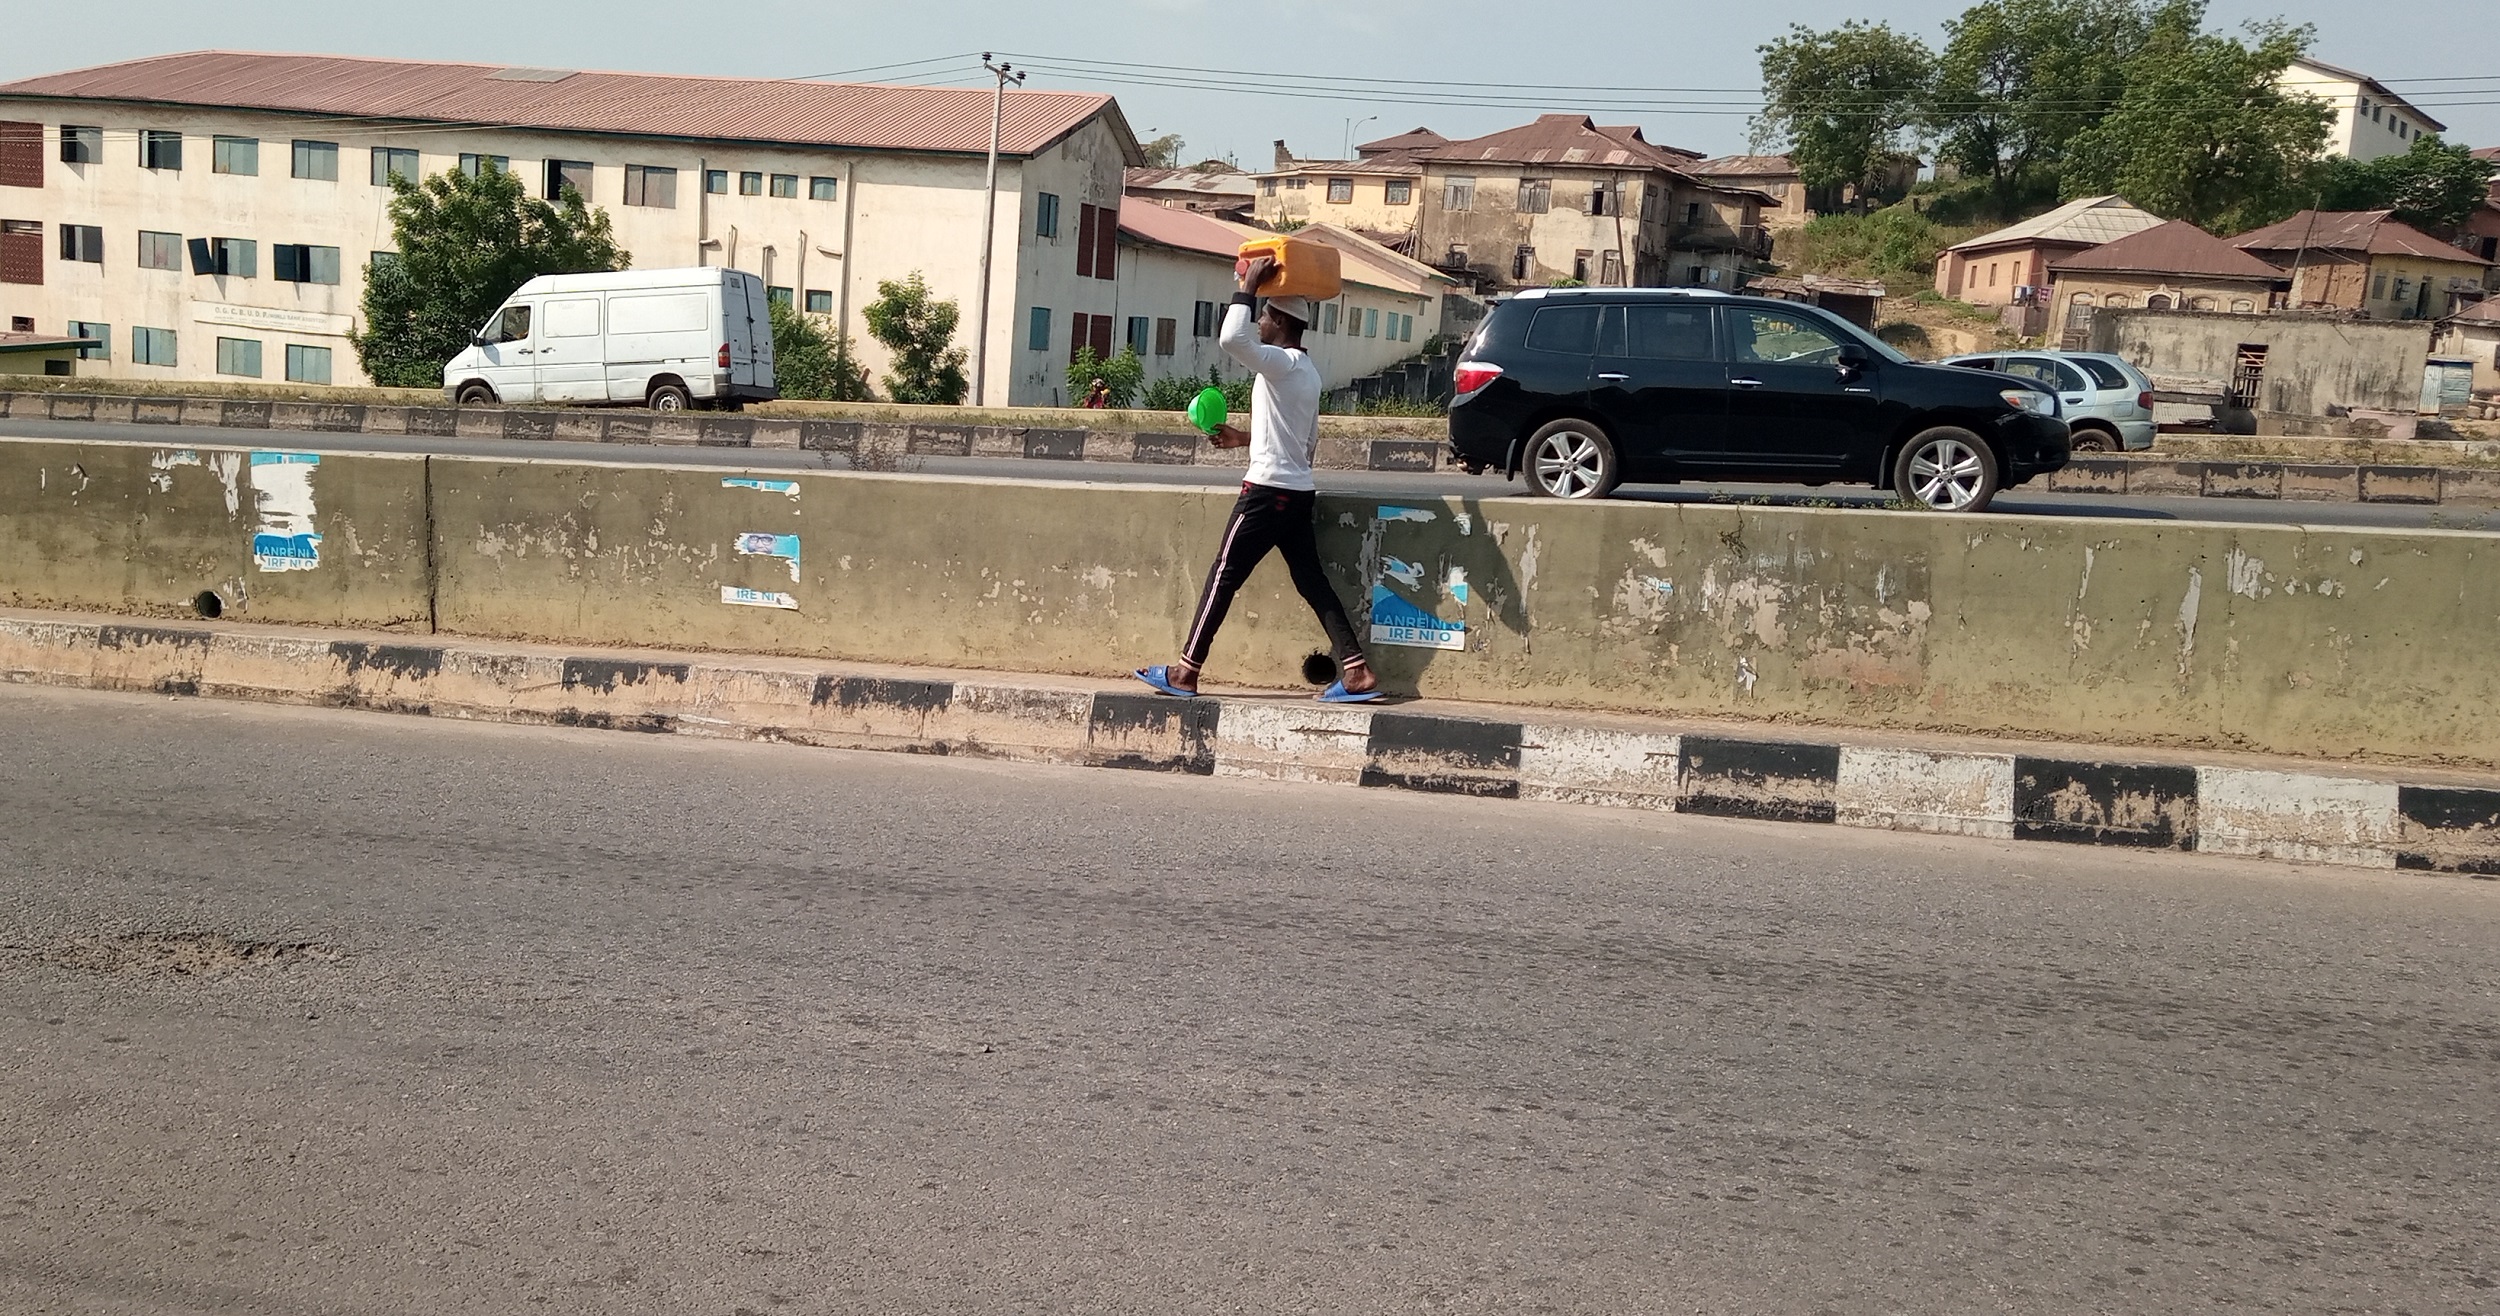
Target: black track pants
x,y
1264,519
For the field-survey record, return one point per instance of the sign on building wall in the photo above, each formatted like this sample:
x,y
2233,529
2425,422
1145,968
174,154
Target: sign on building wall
x,y
271,318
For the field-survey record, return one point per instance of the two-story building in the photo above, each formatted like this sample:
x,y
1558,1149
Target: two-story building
x,y
1565,199
1775,176
212,215
2370,121
2368,261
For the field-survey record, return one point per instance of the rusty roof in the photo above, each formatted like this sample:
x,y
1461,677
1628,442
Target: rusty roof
x,y
781,111
1561,139
1413,139
2352,232
1745,166
2177,247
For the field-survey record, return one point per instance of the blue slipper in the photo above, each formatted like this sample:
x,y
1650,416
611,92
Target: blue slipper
x,y
1336,693
1160,677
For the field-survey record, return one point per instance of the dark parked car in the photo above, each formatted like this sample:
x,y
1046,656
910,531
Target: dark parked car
x,y
1584,389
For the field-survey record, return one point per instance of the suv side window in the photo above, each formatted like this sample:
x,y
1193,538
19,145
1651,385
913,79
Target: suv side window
x,y
1668,333
2056,374
1774,338
1567,329
2103,373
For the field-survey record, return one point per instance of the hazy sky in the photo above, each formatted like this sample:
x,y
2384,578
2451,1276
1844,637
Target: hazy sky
x,y
1554,55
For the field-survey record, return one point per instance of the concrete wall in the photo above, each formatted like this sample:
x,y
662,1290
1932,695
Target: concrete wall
x,y
2326,642
146,531
2312,362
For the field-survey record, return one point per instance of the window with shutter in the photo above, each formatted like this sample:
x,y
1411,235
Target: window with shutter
x,y
21,155
1167,336
1084,245
21,251
1102,337
1107,255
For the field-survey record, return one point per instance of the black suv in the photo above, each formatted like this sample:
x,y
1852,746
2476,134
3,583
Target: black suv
x,y
1584,389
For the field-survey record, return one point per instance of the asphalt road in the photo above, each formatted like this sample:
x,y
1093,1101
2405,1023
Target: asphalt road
x,y
2020,501
498,1019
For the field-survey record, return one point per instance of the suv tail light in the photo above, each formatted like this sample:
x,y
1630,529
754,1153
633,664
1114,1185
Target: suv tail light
x,y
1472,376
724,356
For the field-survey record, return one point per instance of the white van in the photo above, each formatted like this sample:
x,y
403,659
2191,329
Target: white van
x,y
668,339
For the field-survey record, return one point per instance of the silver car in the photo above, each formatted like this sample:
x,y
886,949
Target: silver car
x,y
2105,400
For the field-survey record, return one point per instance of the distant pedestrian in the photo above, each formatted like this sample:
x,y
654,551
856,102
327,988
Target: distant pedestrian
x,y
1276,504
1098,398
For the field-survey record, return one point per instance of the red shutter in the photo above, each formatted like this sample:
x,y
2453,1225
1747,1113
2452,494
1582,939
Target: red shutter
x,y
1107,257
1102,336
21,251
1079,325
1085,245
21,154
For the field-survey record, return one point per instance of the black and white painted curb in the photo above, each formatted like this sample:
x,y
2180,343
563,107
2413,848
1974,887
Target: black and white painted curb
x,y
2305,816
2148,477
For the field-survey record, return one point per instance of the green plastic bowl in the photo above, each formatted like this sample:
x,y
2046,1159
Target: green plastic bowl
x,y
1206,411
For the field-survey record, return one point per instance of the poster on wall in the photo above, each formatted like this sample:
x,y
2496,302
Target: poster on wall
x,y
283,538
1402,603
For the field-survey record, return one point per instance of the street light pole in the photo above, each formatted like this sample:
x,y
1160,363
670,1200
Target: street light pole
x,y
1351,125
1005,73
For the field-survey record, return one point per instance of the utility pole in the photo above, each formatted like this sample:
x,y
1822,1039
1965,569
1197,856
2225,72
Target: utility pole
x,y
1005,73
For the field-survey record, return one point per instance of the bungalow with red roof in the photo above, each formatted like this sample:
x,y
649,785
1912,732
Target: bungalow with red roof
x,y
2173,265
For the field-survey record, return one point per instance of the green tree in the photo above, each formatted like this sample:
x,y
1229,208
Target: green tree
x,y
920,331
2019,79
1163,152
465,243
2202,132
811,362
1842,98
2433,186
1122,374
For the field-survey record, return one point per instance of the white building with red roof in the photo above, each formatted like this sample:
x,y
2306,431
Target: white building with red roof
x,y
114,180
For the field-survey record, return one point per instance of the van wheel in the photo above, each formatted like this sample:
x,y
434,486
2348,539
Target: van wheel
x,y
475,395
1947,470
669,397
1572,459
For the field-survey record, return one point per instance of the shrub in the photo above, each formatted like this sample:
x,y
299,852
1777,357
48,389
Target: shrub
x,y
1123,373
810,364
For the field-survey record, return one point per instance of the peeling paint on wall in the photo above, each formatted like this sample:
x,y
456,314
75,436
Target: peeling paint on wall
x,y
282,499
790,487
2187,621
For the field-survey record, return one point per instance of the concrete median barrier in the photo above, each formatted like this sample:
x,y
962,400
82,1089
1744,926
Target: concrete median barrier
x,y
268,534
2314,642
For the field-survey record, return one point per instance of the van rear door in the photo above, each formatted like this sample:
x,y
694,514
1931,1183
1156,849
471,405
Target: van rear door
x,y
748,325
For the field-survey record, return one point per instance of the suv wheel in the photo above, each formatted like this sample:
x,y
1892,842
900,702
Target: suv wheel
x,y
1946,469
1572,459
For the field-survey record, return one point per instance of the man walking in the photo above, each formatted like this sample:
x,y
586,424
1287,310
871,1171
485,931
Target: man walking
x,y
1275,508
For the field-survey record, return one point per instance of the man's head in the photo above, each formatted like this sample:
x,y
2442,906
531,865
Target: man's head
x,y
1284,321
1098,381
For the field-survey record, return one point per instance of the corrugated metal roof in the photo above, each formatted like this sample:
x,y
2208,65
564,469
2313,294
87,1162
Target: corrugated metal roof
x,y
1560,139
1745,166
1191,181
1413,139
2177,247
2371,232
859,115
2088,222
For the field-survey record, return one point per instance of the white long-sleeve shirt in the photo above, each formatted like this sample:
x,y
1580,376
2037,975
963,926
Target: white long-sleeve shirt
x,y
1284,403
